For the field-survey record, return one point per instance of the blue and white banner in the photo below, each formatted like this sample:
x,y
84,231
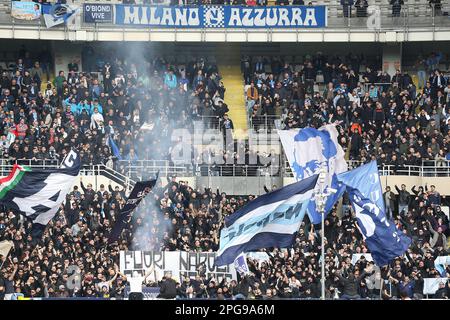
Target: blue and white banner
x,y
58,13
382,237
431,285
97,13
308,151
441,263
270,220
222,16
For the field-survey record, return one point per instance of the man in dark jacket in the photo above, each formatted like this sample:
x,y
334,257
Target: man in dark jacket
x,y
350,284
441,293
356,144
389,197
168,287
347,7
403,199
89,193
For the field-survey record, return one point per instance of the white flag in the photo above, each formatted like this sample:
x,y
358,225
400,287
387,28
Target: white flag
x,y
5,247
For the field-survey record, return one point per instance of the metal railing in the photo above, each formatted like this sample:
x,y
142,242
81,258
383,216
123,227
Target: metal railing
x,y
265,122
145,169
238,170
127,172
429,168
86,170
6,165
111,174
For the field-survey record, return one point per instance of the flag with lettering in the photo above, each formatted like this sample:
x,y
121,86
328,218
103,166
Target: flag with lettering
x,y
271,220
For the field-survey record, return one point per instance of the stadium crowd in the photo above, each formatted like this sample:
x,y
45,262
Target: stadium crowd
x,y
177,217
136,105
380,116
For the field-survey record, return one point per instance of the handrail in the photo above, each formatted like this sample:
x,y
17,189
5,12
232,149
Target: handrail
x,y
425,170
429,168
86,170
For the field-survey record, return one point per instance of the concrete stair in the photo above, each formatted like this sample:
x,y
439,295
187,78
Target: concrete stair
x,y
229,64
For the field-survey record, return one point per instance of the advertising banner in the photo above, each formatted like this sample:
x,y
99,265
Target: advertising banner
x,y
97,13
222,16
25,10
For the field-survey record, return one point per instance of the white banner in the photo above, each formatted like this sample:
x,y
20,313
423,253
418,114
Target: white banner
x,y
431,285
5,247
180,263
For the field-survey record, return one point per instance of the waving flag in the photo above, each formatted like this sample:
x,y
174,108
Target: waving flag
x,y
140,190
38,193
382,237
240,264
5,247
309,150
440,263
270,220
58,13
115,150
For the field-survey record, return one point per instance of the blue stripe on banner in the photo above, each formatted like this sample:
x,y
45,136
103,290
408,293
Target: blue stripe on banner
x,y
284,193
278,225
259,240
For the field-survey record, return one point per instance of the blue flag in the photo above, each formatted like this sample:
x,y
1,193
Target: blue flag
x,y
240,264
270,220
309,150
382,237
114,148
58,13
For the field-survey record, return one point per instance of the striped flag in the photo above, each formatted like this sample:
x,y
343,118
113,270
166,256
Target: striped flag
x,y
270,220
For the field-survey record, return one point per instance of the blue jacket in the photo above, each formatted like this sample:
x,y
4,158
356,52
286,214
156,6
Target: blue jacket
x,y
170,82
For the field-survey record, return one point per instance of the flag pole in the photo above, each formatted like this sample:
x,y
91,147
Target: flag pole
x,y
321,202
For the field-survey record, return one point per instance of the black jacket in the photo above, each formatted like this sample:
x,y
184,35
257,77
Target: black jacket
x,y
168,289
